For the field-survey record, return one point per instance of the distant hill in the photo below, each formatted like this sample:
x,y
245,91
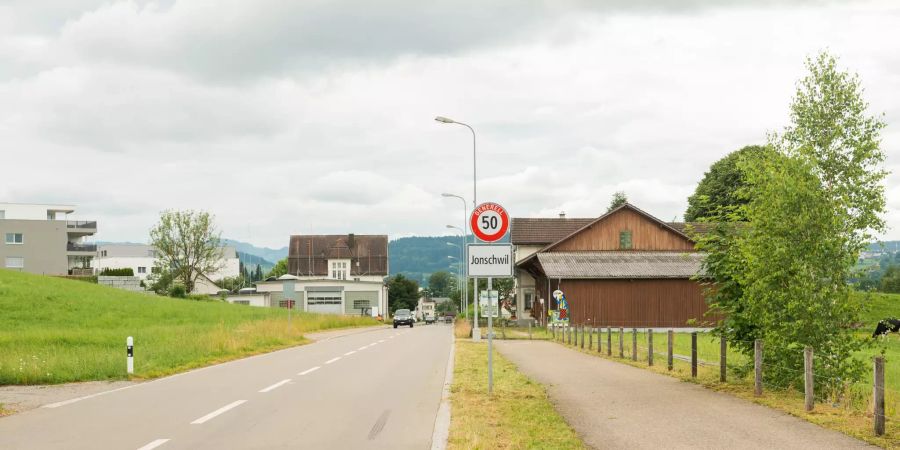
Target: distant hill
x,y
885,246
271,255
418,257
250,261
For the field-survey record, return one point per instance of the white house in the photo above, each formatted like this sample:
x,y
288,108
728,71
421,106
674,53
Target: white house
x,y
335,274
141,259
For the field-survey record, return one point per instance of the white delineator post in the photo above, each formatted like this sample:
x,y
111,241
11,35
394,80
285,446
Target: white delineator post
x,y
129,347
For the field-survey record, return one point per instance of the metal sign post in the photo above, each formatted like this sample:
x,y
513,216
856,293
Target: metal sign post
x,y
490,338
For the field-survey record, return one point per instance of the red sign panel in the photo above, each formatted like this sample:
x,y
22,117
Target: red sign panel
x,y
489,222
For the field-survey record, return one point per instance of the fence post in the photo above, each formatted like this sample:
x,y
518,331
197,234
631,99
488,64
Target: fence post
x,y
634,344
671,353
608,341
757,367
649,347
529,330
694,354
590,338
723,359
808,378
621,342
878,394
582,337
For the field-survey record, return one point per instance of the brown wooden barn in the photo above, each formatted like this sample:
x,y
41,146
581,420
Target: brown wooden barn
x,y
625,268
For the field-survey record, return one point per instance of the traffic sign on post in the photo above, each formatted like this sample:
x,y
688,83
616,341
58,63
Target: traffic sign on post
x,y
490,260
489,222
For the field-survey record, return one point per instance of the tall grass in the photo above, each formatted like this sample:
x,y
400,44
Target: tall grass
x,y
55,330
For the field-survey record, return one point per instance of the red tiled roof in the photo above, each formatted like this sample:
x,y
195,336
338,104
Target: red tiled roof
x,y
544,231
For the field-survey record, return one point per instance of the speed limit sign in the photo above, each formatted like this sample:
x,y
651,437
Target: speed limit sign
x,y
489,222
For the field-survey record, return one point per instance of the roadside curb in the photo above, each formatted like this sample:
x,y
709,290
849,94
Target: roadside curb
x,y
442,422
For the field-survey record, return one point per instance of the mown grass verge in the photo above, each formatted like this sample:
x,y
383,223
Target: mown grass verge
x,y
55,330
518,414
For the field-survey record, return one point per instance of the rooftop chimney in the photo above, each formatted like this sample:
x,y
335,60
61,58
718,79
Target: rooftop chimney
x,y
562,214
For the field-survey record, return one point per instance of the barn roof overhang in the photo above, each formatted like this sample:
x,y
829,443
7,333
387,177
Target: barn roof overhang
x,y
616,265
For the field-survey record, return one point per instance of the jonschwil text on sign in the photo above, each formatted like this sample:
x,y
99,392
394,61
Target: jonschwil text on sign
x,y
494,260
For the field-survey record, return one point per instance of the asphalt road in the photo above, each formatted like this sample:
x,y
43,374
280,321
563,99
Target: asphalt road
x,y
376,389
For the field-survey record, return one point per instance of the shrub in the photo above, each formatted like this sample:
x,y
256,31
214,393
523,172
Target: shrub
x,y
123,272
177,291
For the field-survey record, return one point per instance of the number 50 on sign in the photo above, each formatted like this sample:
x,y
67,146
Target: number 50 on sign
x,y
489,222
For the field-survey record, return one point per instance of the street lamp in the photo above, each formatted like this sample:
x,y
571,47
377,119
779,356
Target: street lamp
x,y
476,332
459,276
464,294
474,165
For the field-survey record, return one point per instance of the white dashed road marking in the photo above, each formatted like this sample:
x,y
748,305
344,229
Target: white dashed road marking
x,y
276,385
350,353
154,444
221,410
332,360
307,371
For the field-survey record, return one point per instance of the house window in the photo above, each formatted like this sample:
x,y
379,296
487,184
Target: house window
x,y
360,304
103,253
142,270
625,240
338,270
529,300
286,304
2,214
15,262
14,238
241,302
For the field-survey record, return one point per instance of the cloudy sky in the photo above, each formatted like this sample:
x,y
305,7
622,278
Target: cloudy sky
x,y
285,117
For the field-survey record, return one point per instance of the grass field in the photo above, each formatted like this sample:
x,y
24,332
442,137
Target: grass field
x,y
55,330
518,414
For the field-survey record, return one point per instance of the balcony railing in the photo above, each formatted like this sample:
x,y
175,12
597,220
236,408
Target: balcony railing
x,y
81,247
86,224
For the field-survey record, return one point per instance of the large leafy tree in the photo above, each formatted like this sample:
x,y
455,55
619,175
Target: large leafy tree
x,y
809,214
187,245
403,293
722,187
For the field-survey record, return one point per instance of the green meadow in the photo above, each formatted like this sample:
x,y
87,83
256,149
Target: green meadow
x,y
55,330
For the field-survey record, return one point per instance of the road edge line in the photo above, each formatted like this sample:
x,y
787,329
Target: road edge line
x,y
441,433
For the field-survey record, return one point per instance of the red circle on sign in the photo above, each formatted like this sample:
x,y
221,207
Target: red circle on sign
x,y
489,222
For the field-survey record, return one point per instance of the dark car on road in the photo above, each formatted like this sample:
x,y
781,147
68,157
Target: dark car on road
x,y
403,317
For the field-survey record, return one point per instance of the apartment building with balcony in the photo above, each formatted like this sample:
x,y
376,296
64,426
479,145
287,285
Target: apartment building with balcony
x,y
41,238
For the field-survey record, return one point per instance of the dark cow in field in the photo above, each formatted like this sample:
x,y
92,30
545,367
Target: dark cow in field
x,y
887,326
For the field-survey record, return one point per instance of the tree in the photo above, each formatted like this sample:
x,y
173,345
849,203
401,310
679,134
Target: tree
x,y
403,293
257,275
890,281
187,245
445,308
722,187
441,283
280,268
618,199
809,214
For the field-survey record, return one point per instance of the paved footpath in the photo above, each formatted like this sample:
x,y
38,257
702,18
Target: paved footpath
x,y
613,405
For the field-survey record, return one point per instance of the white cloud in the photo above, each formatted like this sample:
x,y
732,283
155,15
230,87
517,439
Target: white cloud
x,y
129,108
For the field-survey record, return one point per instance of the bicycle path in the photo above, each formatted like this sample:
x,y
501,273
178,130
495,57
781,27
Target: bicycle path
x,y
614,405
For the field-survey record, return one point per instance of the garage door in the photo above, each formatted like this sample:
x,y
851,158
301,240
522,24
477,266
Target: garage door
x,y
324,302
